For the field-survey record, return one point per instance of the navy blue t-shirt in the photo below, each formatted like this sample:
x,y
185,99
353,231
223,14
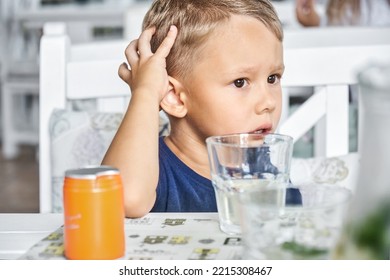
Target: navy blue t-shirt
x,y
180,189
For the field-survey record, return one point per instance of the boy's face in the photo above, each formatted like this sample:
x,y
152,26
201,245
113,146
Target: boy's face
x,y
235,85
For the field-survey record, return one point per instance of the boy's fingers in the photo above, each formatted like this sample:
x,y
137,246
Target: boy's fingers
x,y
168,42
131,52
144,42
124,72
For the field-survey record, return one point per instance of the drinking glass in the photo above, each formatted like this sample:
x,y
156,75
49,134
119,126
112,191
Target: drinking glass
x,y
245,162
274,230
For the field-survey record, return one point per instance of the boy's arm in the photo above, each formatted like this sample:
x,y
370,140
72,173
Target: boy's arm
x,y
134,149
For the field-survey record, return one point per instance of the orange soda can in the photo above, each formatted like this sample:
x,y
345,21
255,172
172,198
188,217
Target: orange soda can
x,y
94,214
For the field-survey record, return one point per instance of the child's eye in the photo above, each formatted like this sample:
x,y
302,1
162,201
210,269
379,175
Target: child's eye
x,y
239,83
273,79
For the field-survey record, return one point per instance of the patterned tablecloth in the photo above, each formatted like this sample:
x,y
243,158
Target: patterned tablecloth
x,y
180,236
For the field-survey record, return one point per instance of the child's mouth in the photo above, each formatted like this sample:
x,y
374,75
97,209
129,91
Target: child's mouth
x,y
263,131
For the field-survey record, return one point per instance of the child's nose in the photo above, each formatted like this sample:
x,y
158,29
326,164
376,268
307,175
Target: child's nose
x,y
266,102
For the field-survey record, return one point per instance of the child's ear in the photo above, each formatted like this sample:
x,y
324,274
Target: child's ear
x,y
173,101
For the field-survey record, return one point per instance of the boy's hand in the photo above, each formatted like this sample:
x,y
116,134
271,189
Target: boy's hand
x,y
147,71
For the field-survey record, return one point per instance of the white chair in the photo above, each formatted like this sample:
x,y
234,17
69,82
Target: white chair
x,y
324,39
335,36
73,72
331,70
68,138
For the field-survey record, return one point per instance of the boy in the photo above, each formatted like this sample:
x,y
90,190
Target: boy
x,y
214,66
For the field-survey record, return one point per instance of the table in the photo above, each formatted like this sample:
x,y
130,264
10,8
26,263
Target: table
x,y
155,236
19,232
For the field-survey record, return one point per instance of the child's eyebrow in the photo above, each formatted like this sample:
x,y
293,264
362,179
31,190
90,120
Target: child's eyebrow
x,y
252,69
242,70
278,68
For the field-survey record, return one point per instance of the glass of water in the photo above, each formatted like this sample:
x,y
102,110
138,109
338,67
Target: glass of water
x,y
273,230
242,163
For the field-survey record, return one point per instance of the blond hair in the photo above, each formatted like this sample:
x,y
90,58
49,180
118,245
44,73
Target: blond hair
x,y
196,19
